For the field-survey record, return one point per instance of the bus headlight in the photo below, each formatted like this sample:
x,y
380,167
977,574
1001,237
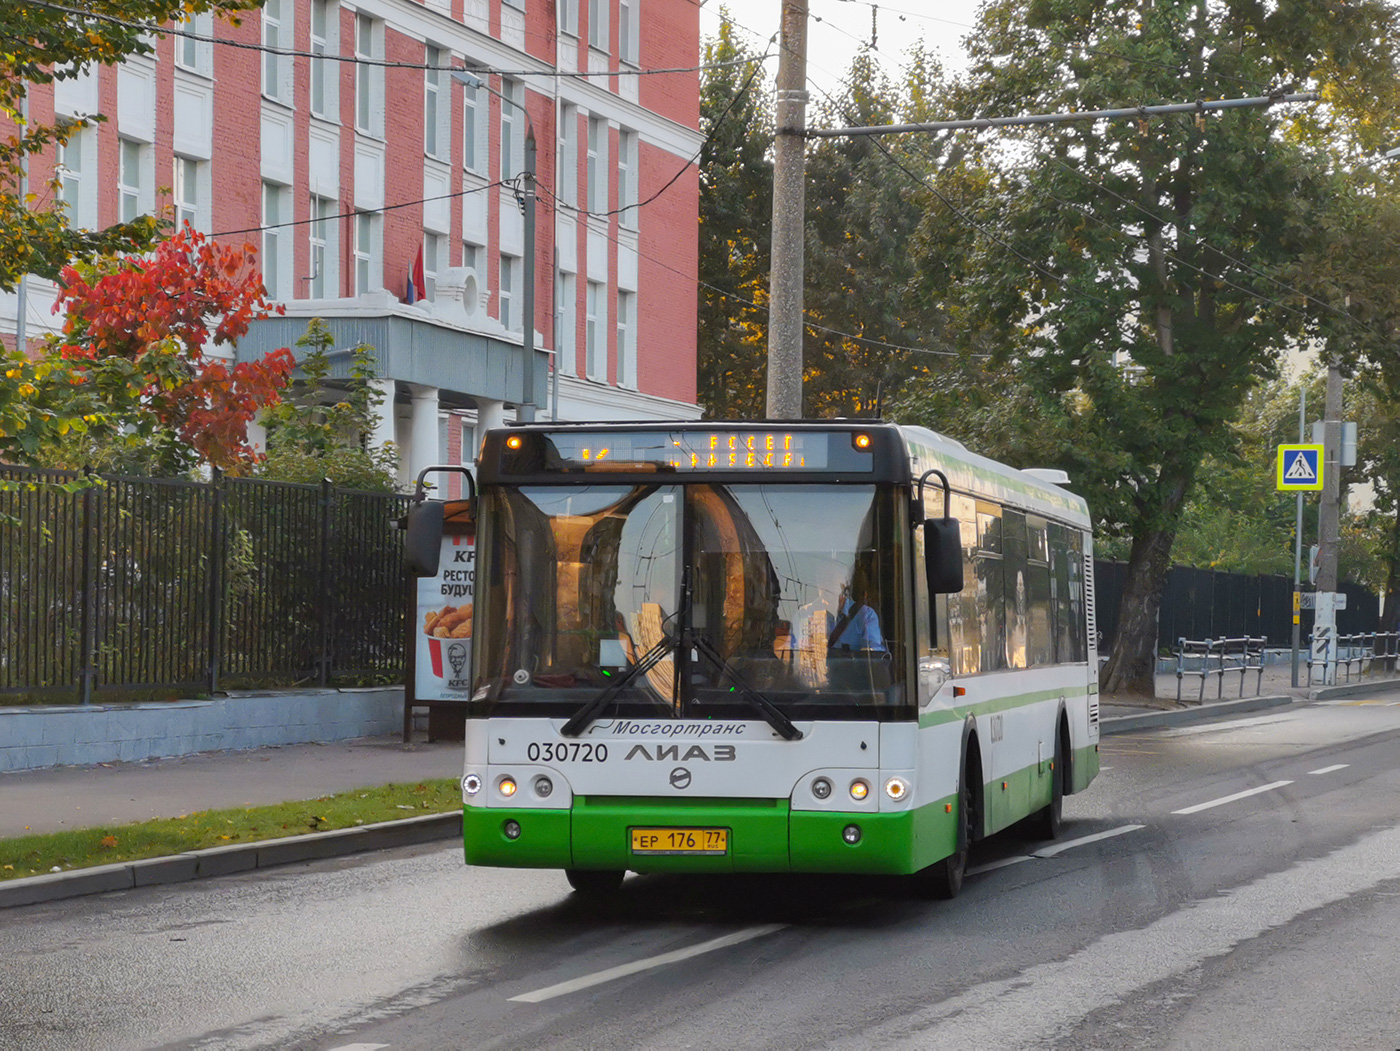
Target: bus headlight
x,y
471,784
896,788
507,786
859,789
851,834
821,788
543,786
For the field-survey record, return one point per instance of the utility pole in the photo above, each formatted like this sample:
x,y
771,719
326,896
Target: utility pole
x,y
789,218
1324,641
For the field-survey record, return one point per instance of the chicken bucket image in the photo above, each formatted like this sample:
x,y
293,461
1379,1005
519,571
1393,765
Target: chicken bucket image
x,y
444,617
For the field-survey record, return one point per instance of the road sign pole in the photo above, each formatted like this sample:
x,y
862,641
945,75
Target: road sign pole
x,y
1298,545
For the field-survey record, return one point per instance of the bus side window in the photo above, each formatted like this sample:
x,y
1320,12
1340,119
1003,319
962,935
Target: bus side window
x,y
1040,641
990,599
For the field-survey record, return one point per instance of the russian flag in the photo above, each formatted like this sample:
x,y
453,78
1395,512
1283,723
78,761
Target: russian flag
x,y
417,283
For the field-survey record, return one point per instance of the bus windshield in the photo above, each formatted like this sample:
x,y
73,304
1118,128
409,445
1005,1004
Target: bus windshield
x,y
791,591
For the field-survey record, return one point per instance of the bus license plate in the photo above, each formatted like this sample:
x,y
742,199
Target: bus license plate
x,y
680,841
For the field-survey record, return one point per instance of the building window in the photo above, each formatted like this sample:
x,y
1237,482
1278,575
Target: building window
x,y
433,263
598,24
568,16
627,26
277,33
512,117
474,259
627,178
274,268
194,54
369,78
70,175
186,191
432,107
324,23
568,155
597,190
518,4
595,347
324,256
129,180
510,281
565,315
473,151
366,255
627,339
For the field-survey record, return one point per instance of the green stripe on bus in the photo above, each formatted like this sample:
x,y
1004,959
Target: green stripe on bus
x,y
997,704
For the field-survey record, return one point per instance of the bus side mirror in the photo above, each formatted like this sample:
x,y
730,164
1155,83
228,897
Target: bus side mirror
x,y
422,545
943,561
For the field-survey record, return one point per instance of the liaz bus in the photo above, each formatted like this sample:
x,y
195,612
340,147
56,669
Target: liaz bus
x,y
827,647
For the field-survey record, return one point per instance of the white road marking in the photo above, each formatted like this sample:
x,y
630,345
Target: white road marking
x,y
1050,852
1230,799
650,963
359,1047
1329,769
1069,844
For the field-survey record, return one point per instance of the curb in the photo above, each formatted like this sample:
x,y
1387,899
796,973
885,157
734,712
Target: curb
x,y
221,861
1199,714
1353,689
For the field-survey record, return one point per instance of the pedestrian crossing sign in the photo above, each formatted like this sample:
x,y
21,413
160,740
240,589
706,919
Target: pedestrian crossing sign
x,y
1299,468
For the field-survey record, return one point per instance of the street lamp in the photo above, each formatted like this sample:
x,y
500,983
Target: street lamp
x,y
526,411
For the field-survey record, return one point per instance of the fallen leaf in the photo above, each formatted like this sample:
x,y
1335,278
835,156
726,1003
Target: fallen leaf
x,y
109,841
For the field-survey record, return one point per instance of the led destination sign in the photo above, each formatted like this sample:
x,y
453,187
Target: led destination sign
x,y
704,450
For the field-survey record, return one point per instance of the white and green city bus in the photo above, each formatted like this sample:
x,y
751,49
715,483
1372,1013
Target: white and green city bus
x,y
834,647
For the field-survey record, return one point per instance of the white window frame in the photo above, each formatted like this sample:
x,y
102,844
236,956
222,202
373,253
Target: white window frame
x,y
508,310
435,143
568,155
69,171
276,242
369,79
568,17
627,178
474,121
365,252
278,18
185,191
196,56
598,24
131,163
323,235
324,90
626,339
596,189
595,331
433,261
513,123
566,322
628,24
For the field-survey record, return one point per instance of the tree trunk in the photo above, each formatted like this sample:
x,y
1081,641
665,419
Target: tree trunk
x,y
1132,664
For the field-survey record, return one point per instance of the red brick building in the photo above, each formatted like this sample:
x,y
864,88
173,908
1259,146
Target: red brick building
x,y
343,168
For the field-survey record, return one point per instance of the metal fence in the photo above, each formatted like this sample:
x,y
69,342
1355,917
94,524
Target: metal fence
x,y
1207,604
141,583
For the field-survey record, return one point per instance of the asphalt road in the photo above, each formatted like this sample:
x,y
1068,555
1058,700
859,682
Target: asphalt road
x,y
1233,885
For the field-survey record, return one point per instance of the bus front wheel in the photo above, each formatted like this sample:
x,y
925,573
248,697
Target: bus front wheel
x,y
594,882
943,879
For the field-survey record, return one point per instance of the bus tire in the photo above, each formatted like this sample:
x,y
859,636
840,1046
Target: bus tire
x,y
594,883
1045,822
943,879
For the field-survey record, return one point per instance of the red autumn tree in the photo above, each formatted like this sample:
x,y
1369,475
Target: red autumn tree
x,y
156,317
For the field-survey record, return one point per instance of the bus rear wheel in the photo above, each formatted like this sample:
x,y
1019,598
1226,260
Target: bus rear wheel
x,y
594,882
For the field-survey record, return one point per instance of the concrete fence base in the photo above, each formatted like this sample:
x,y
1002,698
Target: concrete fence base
x,y
37,737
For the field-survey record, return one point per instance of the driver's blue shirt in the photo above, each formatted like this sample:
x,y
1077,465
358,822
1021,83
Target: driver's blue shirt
x,y
862,630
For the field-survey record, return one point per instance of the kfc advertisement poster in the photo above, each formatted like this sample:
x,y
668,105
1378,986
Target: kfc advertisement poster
x,y
443,667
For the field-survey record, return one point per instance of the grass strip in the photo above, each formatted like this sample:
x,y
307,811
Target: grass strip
x,y
160,837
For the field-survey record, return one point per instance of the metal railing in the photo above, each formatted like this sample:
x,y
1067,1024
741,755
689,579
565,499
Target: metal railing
x,y
1361,653
1220,657
156,584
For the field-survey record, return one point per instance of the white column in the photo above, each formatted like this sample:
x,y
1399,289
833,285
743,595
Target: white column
x,y
423,430
257,437
382,433
489,414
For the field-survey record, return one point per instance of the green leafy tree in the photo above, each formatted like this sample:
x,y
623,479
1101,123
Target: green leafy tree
x,y
41,43
736,205
1141,270
322,431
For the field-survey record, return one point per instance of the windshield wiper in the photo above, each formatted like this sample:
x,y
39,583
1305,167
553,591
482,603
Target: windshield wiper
x,y
770,712
594,708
